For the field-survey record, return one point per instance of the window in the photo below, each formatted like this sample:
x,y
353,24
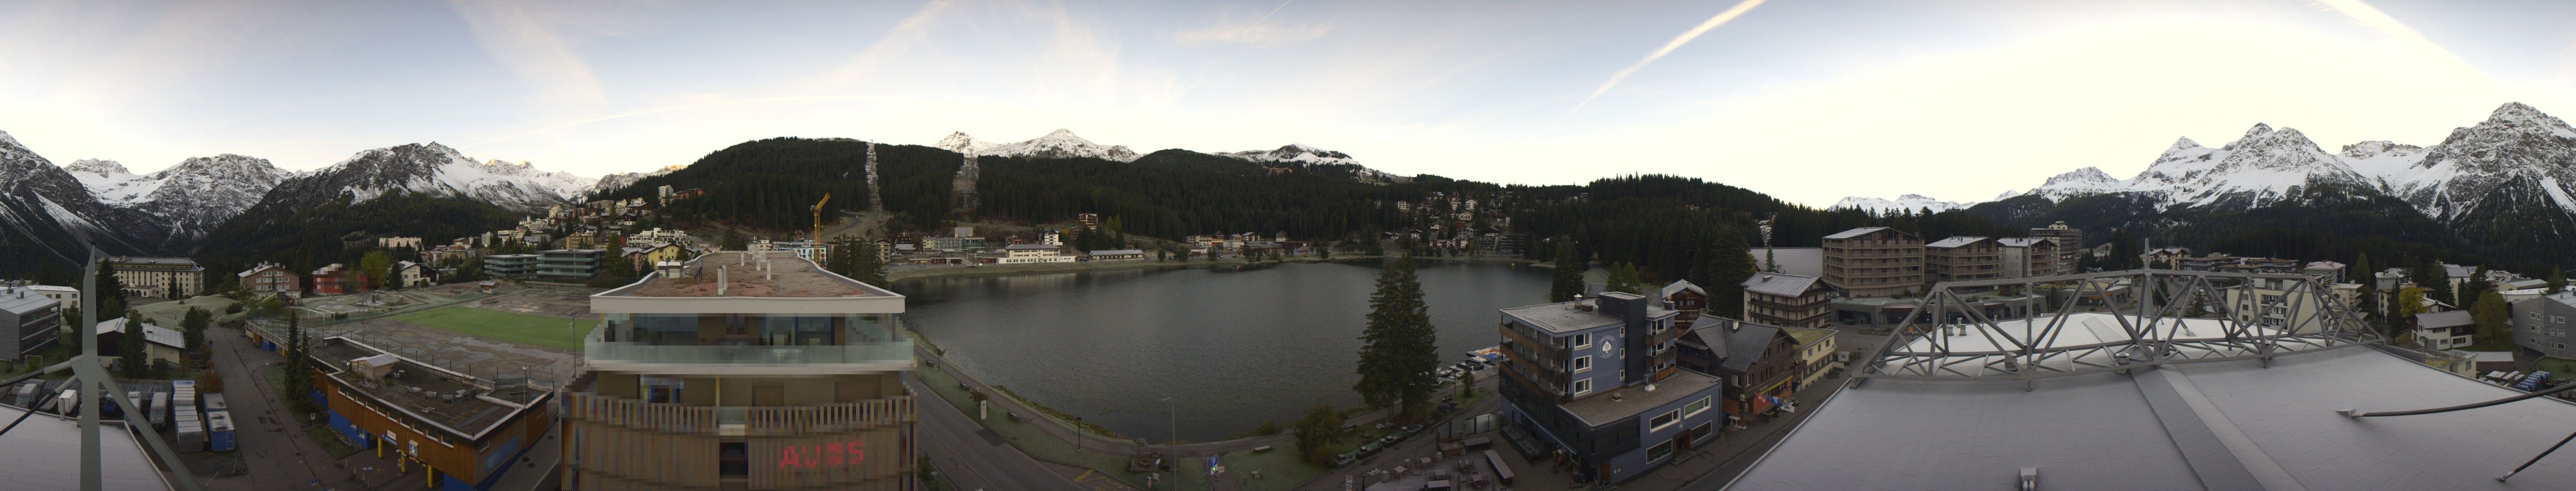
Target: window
x,y
1582,364
1665,420
1701,431
1583,340
733,459
1696,407
1582,387
1659,451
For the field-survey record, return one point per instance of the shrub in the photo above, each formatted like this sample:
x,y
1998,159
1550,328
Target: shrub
x,y
233,309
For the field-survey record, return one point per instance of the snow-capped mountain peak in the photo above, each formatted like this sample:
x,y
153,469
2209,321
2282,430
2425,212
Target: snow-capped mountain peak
x,y
956,142
1294,152
1906,203
436,170
97,166
1061,143
613,182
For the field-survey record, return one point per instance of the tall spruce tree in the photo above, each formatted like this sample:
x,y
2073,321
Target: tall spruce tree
x,y
1568,280
194,327
111,291
1624,278
132,360
1730,263
299,372
2557,280
1400,349
2491,314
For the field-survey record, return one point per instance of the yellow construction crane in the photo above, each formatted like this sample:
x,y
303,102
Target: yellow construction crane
x,y
818,218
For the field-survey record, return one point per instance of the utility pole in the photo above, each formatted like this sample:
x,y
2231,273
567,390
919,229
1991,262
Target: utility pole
x,y
1172,450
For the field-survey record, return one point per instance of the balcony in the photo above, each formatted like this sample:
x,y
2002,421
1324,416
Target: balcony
x,y
630,357
745,421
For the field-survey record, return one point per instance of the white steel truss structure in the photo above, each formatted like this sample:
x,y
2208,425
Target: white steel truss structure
x,y
2114,321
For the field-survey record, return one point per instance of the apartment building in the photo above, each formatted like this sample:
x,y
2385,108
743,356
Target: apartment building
x,y
1032,254
1596,378
2025,257
271,278
1787,300
160,277
2069,244
570,265
1874,262
509,265
742,370
29,322
2541,324
338,279
1963,259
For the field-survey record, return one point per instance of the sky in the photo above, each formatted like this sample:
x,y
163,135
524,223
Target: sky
x,y
1810,101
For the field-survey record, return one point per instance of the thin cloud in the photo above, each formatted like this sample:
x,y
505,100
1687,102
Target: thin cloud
x,y
531,49
1255,34
1722,17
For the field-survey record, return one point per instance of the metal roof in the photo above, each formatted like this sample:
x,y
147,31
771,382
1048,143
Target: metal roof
x,y
1846,234
2219,425
23,300
1113,252
2023,241
1954,242
43,454
1625,401
2455,318
1782,284
1563,317
151,332
1029,247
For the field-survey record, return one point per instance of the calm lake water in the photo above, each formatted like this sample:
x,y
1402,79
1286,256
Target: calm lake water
x,y
1235,348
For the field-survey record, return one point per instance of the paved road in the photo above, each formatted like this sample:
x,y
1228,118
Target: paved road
x,y
972,458
272,444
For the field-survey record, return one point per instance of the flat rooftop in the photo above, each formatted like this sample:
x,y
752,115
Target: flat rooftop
x,y
465,406
1628,401
1564,317
43,454
789,276
2217,425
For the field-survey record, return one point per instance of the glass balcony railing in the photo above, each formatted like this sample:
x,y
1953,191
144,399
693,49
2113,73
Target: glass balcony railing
x,y
599,351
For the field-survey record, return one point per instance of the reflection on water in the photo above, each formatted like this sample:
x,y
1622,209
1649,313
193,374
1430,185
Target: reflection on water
x,y
1235,348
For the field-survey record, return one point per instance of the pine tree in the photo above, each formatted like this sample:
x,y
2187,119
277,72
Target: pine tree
x,y
299,372
111,291
1400,348
1568,279
1729,265
194,327
132,359
2557,280
1624,278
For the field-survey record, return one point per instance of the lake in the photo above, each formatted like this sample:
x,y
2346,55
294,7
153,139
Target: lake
x,y
1235,348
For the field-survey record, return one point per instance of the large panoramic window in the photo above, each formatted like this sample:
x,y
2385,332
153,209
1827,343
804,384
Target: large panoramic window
x,y
1695,407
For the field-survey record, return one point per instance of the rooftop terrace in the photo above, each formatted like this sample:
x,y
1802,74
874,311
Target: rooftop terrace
x,y
787,276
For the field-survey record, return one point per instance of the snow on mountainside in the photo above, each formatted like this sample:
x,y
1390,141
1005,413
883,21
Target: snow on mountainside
x,y
1909,203
185,201
1059,144
45,211
2264,166
435,170
1306,158
2517,154
613,182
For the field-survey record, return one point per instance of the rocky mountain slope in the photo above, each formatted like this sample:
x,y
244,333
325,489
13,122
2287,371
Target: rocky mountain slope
x,y
1310,159
434,170
184,201
46,213
1910,202
1060,144
621,180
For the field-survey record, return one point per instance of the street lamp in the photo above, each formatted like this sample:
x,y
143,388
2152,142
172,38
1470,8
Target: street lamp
x,y
1172,449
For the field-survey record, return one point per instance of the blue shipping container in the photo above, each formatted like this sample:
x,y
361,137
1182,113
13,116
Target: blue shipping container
x,y
2531,382
219,431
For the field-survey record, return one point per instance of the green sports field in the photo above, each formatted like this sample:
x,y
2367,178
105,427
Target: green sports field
x,y
506,326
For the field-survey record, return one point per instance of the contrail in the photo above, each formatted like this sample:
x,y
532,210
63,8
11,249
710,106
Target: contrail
x,y
1730,14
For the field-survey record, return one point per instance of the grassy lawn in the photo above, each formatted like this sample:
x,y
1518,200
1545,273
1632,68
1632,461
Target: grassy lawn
x,y
2499,343
2555,366
330,441
507,326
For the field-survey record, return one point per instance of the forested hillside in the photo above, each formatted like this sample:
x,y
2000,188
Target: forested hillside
x,y
306,239
772,184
